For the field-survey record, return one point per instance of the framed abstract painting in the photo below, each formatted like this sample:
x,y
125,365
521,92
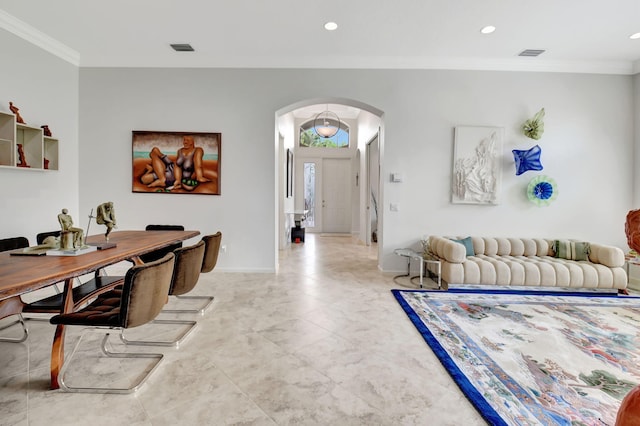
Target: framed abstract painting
x,y
176,162
477,165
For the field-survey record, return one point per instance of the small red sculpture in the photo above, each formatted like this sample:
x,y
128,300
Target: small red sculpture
x,y
45,129
21,159
632,229
14,109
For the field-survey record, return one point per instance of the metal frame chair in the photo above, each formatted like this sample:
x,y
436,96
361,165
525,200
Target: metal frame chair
x,y
157,254
138,302
9,307
185,277
13,305
212,248
82,291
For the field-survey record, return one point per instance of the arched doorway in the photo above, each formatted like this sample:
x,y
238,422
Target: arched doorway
x,y
365,123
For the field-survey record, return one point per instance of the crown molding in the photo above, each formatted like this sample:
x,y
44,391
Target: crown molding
x,y
368,62
38,38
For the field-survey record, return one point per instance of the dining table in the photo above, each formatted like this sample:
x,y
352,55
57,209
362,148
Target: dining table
x,y
21,274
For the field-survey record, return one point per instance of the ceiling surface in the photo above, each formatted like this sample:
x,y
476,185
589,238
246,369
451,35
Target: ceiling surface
x,y
577,35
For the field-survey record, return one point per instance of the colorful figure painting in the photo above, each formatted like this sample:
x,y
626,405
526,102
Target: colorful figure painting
x,y
176,162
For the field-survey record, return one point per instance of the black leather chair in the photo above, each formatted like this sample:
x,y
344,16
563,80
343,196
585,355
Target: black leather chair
x,y
82,292
157,254
137,302
41,236
13,305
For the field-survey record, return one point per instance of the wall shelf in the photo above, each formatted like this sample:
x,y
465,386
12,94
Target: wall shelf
x,y
25,147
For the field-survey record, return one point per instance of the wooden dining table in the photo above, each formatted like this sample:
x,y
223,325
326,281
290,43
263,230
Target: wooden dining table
x,y
22,274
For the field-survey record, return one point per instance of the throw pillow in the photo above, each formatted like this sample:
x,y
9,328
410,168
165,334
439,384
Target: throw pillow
x,y
468,245
572,250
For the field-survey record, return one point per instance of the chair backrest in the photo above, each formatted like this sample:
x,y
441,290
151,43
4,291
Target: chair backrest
x,y
164,228
157,254
13,243
41,236
211,252
187,268
145,291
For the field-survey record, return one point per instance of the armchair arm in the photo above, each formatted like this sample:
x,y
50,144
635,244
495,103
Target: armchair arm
x,y
447,249
607,255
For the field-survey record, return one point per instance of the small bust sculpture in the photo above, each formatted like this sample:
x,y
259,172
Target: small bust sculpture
x,y
106,215
66,223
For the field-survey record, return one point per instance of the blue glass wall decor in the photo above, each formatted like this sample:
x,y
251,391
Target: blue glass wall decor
x,y
542,190
527,159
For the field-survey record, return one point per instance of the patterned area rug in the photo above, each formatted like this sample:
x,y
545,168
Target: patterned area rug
x,y
533,358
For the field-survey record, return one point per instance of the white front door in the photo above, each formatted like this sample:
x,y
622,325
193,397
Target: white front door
x,y
336,195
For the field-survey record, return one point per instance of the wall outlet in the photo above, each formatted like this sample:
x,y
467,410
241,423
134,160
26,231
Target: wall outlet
x,y
393,207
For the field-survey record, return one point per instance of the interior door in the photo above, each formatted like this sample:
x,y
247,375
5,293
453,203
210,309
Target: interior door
x,y
336,195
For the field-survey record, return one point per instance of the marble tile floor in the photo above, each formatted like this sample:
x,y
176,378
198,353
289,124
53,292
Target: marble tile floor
x,y
322,342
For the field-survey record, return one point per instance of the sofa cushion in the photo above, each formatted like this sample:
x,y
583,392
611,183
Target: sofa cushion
x,y
571,250
468,245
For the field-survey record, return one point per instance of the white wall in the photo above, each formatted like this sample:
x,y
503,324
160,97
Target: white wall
x,y
45,88
587,148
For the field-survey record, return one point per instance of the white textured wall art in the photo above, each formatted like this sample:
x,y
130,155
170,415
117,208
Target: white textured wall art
x,y
477,168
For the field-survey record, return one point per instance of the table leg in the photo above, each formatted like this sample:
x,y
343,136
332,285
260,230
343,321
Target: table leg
x,y
57,348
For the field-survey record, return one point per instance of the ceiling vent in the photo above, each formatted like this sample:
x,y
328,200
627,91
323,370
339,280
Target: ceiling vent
x,y
531,52
185,47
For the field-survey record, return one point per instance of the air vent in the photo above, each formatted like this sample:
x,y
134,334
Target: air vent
x,y
531,52
182,47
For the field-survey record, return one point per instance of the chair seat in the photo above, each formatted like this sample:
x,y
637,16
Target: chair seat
x,y
81,294
102,312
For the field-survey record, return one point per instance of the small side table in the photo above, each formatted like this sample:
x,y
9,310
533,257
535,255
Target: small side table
x,y
429,258
410,254
632,264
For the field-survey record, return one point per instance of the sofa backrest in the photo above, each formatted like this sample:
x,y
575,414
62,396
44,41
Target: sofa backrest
x,y
512,246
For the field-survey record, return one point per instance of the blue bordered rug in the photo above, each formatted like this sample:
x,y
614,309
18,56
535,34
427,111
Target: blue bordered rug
x,y
533,357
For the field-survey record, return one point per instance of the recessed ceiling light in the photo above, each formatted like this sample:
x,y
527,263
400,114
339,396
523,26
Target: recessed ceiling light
x,y
488,29
330,26
634,36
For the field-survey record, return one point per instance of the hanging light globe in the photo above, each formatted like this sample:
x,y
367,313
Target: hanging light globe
x,y
326,124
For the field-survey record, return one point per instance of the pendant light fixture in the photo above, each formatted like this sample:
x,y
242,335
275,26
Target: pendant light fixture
x,y
326,124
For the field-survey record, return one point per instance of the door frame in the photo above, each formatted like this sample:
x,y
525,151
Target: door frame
x,y
283,123
368,166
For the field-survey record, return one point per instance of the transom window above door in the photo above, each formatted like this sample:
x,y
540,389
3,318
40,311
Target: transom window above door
x,y
309,137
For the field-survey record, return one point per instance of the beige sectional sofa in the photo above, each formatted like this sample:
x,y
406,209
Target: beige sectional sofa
x,y
528,262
